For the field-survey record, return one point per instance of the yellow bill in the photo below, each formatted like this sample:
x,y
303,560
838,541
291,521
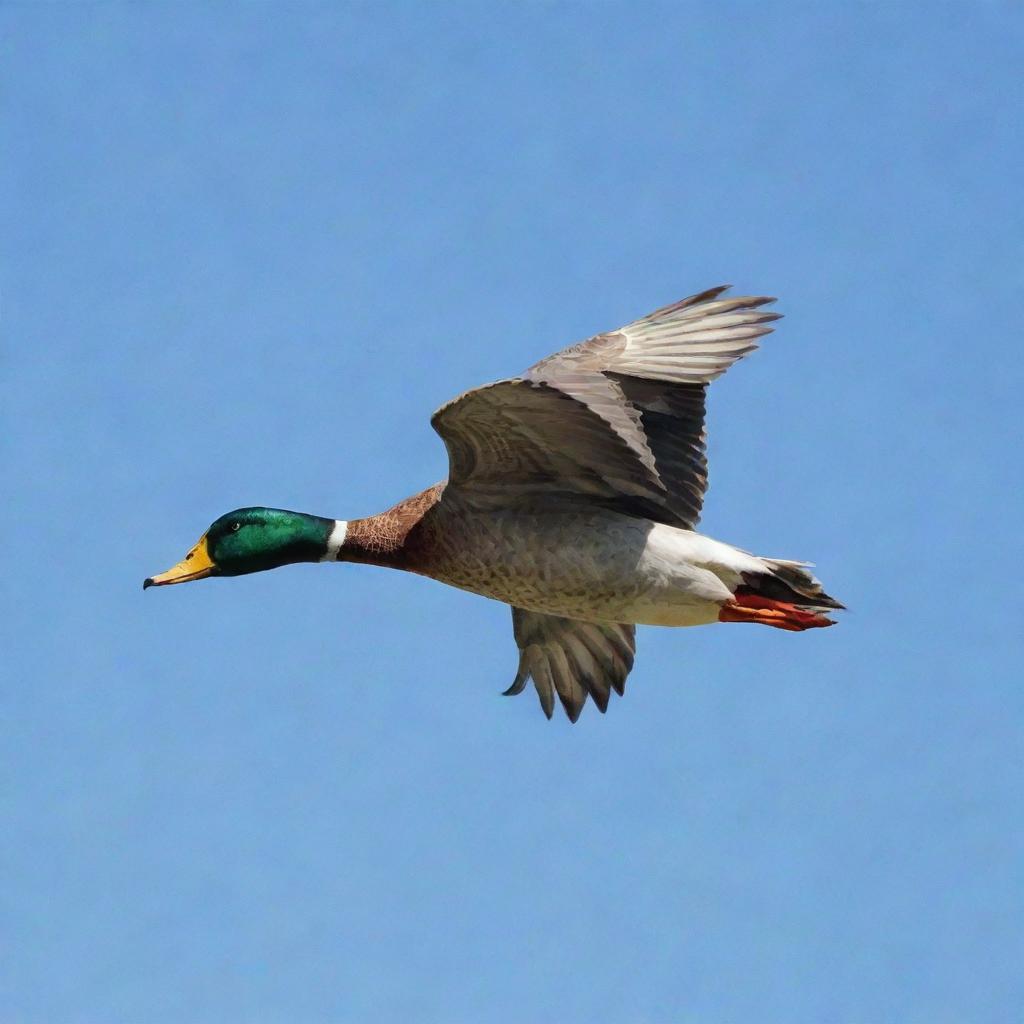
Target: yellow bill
x,y
196,565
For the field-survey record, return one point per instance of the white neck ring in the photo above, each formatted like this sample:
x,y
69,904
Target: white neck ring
x,y
335,540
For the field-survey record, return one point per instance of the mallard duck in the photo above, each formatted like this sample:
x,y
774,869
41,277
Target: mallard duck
x,y
573,494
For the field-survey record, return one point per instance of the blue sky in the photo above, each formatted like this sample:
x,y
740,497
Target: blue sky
x,y
247,250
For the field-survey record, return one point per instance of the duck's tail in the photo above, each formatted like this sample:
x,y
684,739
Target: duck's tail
x,y
785,595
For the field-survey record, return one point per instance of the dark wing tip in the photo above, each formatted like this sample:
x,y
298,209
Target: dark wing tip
x,y
690,300
572,710
547,702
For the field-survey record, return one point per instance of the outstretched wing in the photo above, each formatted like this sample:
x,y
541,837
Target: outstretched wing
x,y
618,418
571,658
520,438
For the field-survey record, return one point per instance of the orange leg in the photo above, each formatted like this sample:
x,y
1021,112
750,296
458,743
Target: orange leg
x,y
768,612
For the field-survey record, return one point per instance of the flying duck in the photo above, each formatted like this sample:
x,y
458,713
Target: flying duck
x,y
573,495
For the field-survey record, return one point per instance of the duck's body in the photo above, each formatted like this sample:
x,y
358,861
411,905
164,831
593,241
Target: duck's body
x,y
557,557
573,496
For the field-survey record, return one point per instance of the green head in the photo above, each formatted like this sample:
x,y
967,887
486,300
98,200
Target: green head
x,y
251,540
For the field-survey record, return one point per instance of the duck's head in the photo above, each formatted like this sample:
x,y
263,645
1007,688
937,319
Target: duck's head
x,y
251,540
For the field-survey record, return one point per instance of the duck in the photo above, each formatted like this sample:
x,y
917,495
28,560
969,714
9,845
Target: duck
x,y
573,496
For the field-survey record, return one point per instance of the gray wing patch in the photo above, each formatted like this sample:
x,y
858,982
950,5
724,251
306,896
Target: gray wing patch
x,y
520,437
618,419
572,659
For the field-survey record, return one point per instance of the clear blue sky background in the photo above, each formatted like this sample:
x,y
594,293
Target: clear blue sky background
x,y
247,249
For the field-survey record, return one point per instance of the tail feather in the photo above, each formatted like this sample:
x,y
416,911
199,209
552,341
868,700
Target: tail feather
x,y
788,582
784,595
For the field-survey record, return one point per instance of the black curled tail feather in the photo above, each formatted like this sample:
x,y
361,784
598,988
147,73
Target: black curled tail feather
x,y
790,582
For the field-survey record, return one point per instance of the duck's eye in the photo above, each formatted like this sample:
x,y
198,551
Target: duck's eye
x,y
235,527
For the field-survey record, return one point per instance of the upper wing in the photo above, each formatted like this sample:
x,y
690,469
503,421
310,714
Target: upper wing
x,y
519,437
619,418
571,658
689,342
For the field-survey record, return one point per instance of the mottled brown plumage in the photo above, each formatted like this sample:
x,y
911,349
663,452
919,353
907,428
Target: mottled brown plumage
x,y
384,539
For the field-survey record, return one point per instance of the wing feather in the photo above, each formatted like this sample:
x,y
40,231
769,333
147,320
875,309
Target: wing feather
x,y
518,437
572,659
618,419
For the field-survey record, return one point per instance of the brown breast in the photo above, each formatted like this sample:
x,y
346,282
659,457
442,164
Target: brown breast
x,y
391,538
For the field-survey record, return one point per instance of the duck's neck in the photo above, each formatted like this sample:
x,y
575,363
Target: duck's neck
x,y
384,539
335,541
